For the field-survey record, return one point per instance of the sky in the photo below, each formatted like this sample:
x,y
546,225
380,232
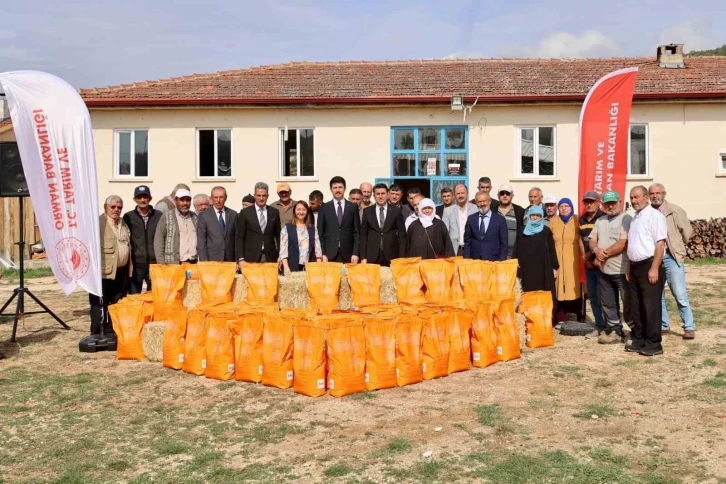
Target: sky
x,y
100,43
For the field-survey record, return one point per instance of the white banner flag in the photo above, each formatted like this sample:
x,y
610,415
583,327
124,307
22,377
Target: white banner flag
x,y
53,130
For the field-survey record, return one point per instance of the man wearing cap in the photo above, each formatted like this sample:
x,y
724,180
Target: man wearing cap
x,y
217,230
142,222
175,240
592,214
285,204
512,213
167,204
550,208
679,233
200,202
247,201
608,242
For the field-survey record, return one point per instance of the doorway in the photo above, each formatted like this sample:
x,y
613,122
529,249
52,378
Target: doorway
x,y
423,184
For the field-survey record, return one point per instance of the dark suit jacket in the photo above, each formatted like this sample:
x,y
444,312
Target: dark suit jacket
x,y
492,245
250,238
341,238
212,244
440,211
392,238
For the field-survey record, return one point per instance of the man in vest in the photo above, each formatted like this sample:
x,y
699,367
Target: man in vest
x,y
175,240
142,222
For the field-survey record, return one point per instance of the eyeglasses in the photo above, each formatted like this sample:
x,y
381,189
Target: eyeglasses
x,y
505,194
283,193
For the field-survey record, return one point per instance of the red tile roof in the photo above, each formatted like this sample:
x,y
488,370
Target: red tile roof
x,y
6,125
433,81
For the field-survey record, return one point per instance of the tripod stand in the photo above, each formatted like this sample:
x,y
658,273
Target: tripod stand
x,y
21,290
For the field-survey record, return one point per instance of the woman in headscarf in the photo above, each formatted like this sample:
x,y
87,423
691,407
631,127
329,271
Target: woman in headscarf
x,y
565,230
535,251
427,236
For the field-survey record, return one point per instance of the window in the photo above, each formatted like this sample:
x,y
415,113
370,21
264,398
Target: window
x,y
214,153
537,151
722,161
638,150
132,153
297,152
430,151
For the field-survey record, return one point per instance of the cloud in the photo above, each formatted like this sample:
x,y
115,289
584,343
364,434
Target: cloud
x,y
590,44
696,34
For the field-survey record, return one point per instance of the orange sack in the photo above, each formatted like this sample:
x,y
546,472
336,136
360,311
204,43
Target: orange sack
x,y
192,271
195,342
309,358
476,279
216,280
247,329
346,351
505,275
460,322
176,329
407,280
537,308
277,344
323,283
409,362
220,347
261,282
365,284
434,344
484,335
167,282
437,275
508,346
128,323
457,290
380,334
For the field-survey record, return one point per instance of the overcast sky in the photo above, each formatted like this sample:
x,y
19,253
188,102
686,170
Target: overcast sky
x,y
99,43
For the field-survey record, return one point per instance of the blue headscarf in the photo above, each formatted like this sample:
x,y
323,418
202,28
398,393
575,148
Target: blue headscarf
x,y
534,226
572,209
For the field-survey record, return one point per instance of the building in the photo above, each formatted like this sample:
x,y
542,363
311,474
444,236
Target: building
x,y
393,121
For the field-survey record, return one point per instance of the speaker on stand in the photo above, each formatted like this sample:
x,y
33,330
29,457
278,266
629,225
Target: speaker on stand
x,y
12,176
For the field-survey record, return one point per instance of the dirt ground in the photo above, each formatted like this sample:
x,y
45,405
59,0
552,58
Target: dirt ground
x,y
577,412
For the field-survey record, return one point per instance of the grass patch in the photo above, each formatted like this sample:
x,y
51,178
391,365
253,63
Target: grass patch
x,y
603,383
717,381
606,455
172,448
364,396
487,415
602,410
29,273
709,362
338,470
706,261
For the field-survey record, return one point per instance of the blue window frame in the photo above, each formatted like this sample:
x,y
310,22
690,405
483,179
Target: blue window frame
x,y
429,151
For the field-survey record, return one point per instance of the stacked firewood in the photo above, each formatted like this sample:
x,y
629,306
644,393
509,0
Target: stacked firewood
x,y
708,240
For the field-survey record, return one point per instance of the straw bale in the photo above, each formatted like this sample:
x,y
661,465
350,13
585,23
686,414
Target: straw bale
x,y
388,290
517,293
292,291
152,340
521,320
192,292
239,289
345,297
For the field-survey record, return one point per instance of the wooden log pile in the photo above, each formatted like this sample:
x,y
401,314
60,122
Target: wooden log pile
x,y
708,239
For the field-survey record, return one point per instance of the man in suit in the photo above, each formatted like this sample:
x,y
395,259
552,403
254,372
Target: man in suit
x,y
382,231
339,226
258,234
447,199
315,200
456,215
485,236
217,230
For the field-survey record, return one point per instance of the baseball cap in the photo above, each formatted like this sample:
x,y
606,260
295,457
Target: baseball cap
x,y
591,195
181,193
506,188
283,187
611,196
248,198
550,199
141,190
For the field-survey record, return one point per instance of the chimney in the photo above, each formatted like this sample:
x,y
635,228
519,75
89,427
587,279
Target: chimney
x,y
5,111
671,56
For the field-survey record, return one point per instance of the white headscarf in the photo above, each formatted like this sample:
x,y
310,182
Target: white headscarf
x,y
426,220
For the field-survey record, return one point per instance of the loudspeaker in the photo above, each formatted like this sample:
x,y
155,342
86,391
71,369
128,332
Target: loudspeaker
x,y
12,177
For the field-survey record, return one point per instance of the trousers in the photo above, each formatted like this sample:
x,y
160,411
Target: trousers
x,y
645,305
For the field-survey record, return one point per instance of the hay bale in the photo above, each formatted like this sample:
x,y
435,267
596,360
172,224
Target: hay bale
x,y
292,291
345,297
517,293
192,293
239,289
388,290
152,340
521,320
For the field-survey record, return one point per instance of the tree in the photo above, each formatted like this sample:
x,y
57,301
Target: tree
x,y
710,52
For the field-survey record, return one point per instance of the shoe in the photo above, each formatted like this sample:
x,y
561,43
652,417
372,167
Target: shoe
x,y
633,349
689,334
609,339
594,333
558,326
650,352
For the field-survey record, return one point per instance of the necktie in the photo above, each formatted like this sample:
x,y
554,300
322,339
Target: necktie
x,y
263,220
482,227
340,213
381,217
221,221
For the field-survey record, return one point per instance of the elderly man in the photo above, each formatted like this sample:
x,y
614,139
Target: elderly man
x,y
455,217
513,214
535,196
447,200
679,233
592,214
316,201
366,190
608,242
550,208
116,265
485,235
258,234
646,275
200,202
285,203
167,203
217,230
142,222
175,240
413,216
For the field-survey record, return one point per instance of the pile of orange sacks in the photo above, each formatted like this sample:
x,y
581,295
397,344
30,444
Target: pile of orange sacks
x,y
452,314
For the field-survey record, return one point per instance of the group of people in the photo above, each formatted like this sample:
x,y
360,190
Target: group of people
x,y
625,258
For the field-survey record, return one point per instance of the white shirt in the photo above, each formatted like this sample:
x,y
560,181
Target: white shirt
x,y
646,229
486,218
378,213
463,215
